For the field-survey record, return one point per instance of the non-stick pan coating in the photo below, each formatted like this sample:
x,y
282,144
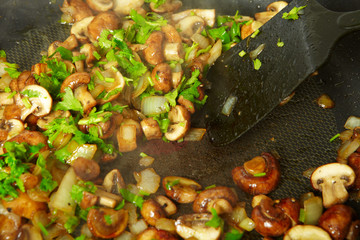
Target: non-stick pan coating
x,y
299,131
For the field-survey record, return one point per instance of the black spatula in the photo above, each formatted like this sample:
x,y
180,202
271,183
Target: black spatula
x,y
307,44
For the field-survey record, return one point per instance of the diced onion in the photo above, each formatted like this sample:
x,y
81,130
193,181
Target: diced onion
x,y
166,225
215,52
149,181
346,135
229,105
347,149
86,151
313,209
153,105
352,122
125,236
138,227
142,85
201,40
255,53
195,134
247,224
131,208
146,161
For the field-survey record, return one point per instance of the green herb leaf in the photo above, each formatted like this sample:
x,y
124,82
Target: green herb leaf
x,y
293,14
2,54
302,215
242,53
78,190
334,137
262,174
257,64
130,197
169,185
254,34
81,57
233,234
158,3
66,54
69,102
71,224
12,70
280,43
215,221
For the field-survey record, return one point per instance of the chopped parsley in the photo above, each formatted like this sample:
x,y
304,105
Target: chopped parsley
x,y
2,54
215,221
158,3
302,215
133,198
262,174
233,234
78,190
169,185
69,102
293,14
71,224
257,64
254,34
65,54
47,183
242,53
12,70
108,219
280,43
81,57
334,137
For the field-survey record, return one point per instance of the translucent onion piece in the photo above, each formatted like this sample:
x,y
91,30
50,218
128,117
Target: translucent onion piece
x,y
215,52
142,85
352,122
229,105
247,224
346,135
201,40
138,227
347,149
146,161
255,53
313,209
125,236
153,105
149,181
195,134
86,151
166,225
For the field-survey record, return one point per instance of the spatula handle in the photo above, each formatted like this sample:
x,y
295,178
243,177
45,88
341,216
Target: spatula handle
x,y
349,21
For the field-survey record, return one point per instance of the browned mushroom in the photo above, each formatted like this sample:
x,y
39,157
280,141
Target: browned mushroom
x,y
271,10
168,6
171,34
12,111
25,79
182,190
100,5
151,211
337,221
105,127
151,128
354,163
248,29
291,208
222,199
161,76
270,220
180,123
186,103
113,182
306,232
104,20
75,80
190,25
86,169
124,7
80,29
260,175
88,49
32,138
10,224
168,206
106,222
153,233
154,52
76,10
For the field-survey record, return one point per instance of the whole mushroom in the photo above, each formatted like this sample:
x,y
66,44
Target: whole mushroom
x,y
306,232
260,175
180,189
102,21
332,180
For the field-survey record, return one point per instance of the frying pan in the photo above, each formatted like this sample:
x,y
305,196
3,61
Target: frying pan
x,y
298,131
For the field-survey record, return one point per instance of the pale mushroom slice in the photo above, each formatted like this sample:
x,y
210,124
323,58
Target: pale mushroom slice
x,y
80,29
36,100
306,232
207,14
124,7
100,5
194,226
332,180
180,123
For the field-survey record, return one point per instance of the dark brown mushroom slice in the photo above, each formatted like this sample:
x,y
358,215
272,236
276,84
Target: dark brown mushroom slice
x,y
264,183
220,198
161,76
114,181
354,163
151,211
106,222
32,138
104,20
86,169
270,220
291,208
75,80
180,189
337,221
153,54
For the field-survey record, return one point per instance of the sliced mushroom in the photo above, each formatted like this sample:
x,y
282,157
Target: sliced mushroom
x,y
207,14
76,9
268,169
88,200
180,123
46,120
174,51
88,49
6,99
337,221
171,34
151,211
113,182
80,29
13,128
153,54
190,25
87,101
29,232
332,180
168,206
168,6
248,29
291,208
100,5
306,232
86,169
32,138
187,104
182,190
222,199
271,10
194,226
104,20
106,222
25,79
106,125
124,7
270,220
75,80
107,199
153,233
40,100
161,76
354,163
151,128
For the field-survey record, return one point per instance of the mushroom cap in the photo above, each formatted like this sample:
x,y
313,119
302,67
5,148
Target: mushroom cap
x,y
80,29
306,232
100,5
75,80
38,96
333,172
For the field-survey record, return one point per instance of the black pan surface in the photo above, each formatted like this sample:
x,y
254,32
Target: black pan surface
x,y
298,131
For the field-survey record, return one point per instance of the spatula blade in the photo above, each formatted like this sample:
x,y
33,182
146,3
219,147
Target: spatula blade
x,y
257,92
